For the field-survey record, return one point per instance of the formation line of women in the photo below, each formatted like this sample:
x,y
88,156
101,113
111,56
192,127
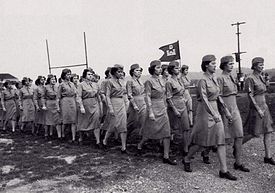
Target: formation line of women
x,y
158,109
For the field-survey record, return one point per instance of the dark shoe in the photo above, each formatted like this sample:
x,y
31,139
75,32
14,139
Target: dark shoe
x,y
139,152
227,175
80,142
184,153
169,161
269,161
187,166
99,146
104,147
214,149
205,159
124,152
241,167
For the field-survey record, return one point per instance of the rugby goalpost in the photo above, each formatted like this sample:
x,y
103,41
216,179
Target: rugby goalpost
x,y
67,66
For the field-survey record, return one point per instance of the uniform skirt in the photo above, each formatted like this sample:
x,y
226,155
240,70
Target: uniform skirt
x,y
136,119
68,109
188,99
91,119
10,110
118,122
178,125
235,129
160,127
206,131
52,116
256,125
28,112
40,114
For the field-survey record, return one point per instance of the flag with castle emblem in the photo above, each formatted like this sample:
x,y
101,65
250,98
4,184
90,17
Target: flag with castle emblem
x,y
171,52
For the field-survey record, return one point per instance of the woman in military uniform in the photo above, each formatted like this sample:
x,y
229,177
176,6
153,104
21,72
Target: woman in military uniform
x,y
135,93
115,91
234,130
209,129
9,105
156,125
89,102
67,97
259,121
26,104
177,109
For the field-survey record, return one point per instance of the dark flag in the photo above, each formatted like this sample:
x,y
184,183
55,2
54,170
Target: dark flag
x,y
171,52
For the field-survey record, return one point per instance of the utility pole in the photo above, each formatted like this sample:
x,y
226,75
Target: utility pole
x,y
238,54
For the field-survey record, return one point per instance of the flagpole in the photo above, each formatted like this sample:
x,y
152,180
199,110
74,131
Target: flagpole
x,y
179,54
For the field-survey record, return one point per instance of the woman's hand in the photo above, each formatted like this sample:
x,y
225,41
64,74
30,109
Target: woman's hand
x,y
216,118
177,113
261,113
82,110
152,117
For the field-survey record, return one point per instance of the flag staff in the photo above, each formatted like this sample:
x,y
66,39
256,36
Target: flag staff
x,y
48,54
85,48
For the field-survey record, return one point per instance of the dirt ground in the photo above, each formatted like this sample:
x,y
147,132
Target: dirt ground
x,y
31,164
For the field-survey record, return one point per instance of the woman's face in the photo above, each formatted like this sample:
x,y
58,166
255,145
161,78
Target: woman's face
x,y
176,70
165,73
42,81
119,74
137,72
259,67
89,76
229,67
68,76
158,70
211,67
185,71
75,80
53,81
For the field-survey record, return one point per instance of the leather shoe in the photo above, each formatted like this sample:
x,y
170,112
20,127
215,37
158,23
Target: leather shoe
x,y
187,166
241,167
124,152
227,175
169,161
269,161
205,159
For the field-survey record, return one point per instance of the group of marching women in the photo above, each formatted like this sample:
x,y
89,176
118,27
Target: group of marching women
x,y
158,108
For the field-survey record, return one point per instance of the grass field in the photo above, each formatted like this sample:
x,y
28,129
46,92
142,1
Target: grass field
x,y
31,164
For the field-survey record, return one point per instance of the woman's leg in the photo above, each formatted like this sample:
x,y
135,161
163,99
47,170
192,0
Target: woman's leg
x,y
222,158
97,135
73,129
166,147
267,144
107,135
13,124
123,137
238,150
192,150
58,130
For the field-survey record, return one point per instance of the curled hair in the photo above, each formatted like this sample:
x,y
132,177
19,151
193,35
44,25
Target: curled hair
x,y
151,70
49,79
223,65
6,83
170,69
131,72
107,73
184,67
18,84
64,73
114,70
204,65
85,71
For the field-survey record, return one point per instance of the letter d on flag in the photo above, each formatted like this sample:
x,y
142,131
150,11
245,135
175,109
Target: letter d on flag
x,y
171,52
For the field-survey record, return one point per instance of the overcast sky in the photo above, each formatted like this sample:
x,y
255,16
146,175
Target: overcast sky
x,y
129,31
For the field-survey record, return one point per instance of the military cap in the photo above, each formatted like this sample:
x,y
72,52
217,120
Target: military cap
x,y
134,66
227,59
257,60
174,63
155,63
208,58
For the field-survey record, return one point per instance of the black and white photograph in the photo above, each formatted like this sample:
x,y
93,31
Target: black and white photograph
x,y
155,96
